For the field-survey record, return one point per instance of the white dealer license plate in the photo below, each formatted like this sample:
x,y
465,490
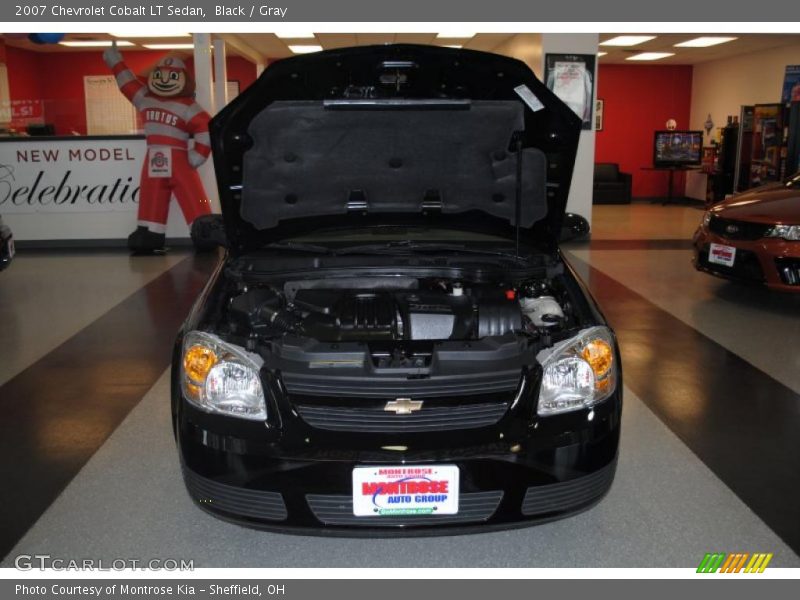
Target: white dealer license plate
x,y
405,490
720,254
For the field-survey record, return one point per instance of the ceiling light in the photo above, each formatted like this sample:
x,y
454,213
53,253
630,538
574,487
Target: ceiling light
x,y
628,40
454,33
304,49
599,54
650,56
704,42
169,46
295,34
141,33
92,43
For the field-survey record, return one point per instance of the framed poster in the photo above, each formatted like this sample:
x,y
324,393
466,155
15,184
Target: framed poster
x,y
571,78
791,84
598,115
108,111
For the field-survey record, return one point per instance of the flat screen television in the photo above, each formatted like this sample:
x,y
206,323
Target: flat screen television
x,y
677,148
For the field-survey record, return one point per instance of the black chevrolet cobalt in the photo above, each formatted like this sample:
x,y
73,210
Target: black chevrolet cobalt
x,y
393,343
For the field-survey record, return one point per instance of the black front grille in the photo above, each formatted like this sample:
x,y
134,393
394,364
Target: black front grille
x,y
789,270
746,266
737,230
377,419
338,510
235,500
569,495
394,387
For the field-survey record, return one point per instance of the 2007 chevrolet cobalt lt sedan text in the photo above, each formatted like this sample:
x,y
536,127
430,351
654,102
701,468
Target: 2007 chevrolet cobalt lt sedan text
x,y
393,343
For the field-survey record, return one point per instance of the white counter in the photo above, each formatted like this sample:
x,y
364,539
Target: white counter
x,y
74,188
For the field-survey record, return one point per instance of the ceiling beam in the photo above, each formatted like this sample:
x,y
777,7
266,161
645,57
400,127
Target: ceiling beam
x,y
242,47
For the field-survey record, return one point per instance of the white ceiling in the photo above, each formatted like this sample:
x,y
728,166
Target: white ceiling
x,y
262,46
269,46
664,42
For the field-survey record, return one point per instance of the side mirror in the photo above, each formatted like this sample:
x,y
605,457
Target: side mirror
x,y
208,233
574,227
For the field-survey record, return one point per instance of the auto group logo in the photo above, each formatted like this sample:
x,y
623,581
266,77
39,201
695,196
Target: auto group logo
x,y
735,562
388,497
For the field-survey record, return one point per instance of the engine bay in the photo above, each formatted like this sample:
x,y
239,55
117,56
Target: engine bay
x,y
398,309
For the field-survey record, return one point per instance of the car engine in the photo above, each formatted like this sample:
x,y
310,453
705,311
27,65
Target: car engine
x,y
395,309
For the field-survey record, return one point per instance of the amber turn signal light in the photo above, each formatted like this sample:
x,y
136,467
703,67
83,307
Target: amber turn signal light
x,y
197,362
599,355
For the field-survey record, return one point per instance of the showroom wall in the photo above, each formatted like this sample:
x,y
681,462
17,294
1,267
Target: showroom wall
x,y
526,47
639,99
721,87
531,48
57,79
580,193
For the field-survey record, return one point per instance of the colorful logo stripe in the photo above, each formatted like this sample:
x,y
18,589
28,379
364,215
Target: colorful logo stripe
x,y
721,562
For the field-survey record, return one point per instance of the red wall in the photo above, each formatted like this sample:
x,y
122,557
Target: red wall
x,y
57,79
638,99
241,70
24,78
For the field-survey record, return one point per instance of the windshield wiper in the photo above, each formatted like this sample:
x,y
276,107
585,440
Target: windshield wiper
x,y
400,245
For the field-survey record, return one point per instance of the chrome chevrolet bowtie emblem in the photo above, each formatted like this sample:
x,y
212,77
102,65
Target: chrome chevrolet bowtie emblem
x,y
403,406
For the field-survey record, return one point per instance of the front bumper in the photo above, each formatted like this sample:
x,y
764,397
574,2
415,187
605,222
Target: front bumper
x,y
764,261
558,466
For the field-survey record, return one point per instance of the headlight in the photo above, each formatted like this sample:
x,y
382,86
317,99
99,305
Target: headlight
x,y
222,378
706,218
578,372
790,233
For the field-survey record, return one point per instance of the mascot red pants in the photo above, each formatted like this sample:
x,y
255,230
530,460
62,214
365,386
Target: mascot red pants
x,y
171,117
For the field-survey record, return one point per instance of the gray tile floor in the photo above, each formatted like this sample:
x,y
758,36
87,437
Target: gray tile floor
x,y
760,326
45,299
665,509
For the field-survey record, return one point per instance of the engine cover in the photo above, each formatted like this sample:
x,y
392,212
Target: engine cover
x,y
357,315
436,316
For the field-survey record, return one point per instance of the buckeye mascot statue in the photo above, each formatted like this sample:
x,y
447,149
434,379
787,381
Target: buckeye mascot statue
x,y
171,116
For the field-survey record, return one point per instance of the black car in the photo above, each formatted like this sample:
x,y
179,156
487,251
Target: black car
x,y
6,245
393,342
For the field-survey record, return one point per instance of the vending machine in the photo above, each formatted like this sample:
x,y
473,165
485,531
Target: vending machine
x,y
792,165
766,158
744,149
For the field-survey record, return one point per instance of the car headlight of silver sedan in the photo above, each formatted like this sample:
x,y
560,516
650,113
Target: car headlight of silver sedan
x,y
578,372
220,377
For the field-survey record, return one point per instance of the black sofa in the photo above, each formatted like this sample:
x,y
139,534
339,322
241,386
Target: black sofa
x,y
610,185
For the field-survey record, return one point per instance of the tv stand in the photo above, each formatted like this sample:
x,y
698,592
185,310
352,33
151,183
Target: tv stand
x,y
671,181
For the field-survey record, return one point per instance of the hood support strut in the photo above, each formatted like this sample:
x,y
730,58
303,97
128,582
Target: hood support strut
x,y
518,191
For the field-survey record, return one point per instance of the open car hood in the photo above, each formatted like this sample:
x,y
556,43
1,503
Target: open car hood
x,y
397,135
